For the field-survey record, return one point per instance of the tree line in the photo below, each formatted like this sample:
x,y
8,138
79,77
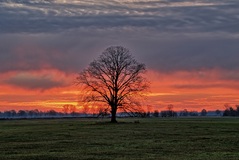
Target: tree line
x,y
30,114
231,111
34,114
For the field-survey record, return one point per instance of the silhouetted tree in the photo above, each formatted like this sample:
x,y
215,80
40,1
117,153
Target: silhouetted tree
x,y
65,109
114,79
9,114
218,112
69,108
148,114
193,113
237,110
51,113
203,112
33,113
169,113
103,112
156,113
140,114
22,113
85,109
184,112
72,109
170,107
229,111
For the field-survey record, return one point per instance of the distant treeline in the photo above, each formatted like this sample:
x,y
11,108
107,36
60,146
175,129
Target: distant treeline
x,y
230,111
12,114
185,113
35,114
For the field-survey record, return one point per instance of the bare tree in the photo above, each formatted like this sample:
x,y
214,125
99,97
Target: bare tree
x,y
114,79
68,108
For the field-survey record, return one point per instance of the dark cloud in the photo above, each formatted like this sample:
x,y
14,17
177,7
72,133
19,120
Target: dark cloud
x,y
230,75
206,86
28,81
57,16
64,52
185,53
72,51
166,35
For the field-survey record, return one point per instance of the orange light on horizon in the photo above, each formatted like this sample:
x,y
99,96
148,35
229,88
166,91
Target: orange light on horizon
x,y
192,90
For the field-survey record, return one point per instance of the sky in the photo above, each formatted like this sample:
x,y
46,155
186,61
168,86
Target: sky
x,y
190,48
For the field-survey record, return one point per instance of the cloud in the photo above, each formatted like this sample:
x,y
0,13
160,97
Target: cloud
x,y
168,36
33,81
57,16
185,53
72,51
205,86
69,53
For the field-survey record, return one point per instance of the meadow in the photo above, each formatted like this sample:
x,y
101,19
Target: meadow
x,y
151,138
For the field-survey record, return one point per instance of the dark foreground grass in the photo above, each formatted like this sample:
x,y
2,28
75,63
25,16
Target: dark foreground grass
x,y
180,138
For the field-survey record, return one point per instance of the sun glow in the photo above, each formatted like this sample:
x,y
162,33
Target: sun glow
x,y
190,90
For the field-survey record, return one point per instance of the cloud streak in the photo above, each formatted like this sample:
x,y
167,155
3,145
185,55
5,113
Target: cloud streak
x,y
33,82
56,16
40,80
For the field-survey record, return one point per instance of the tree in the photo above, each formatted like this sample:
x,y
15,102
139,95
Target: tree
x,y
65,109
218,112
193,113
169,113
69,108
203,112
184,112
170,107
22,113
114,79
51,112
230,111
237,110
156,113
103,112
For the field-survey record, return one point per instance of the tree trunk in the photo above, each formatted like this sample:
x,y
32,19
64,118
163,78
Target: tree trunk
x,y
113,115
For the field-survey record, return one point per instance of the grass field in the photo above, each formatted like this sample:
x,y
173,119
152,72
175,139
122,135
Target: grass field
x,y
156,138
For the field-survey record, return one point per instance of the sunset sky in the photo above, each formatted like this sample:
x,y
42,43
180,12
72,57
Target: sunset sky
x,y
190,48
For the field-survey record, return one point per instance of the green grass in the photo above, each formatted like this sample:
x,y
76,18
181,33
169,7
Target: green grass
x,y
156,138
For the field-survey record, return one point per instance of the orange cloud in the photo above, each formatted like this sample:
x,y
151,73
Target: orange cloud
x,y
44,89
209,89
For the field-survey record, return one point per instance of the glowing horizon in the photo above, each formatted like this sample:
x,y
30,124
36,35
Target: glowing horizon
x,y
184,90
